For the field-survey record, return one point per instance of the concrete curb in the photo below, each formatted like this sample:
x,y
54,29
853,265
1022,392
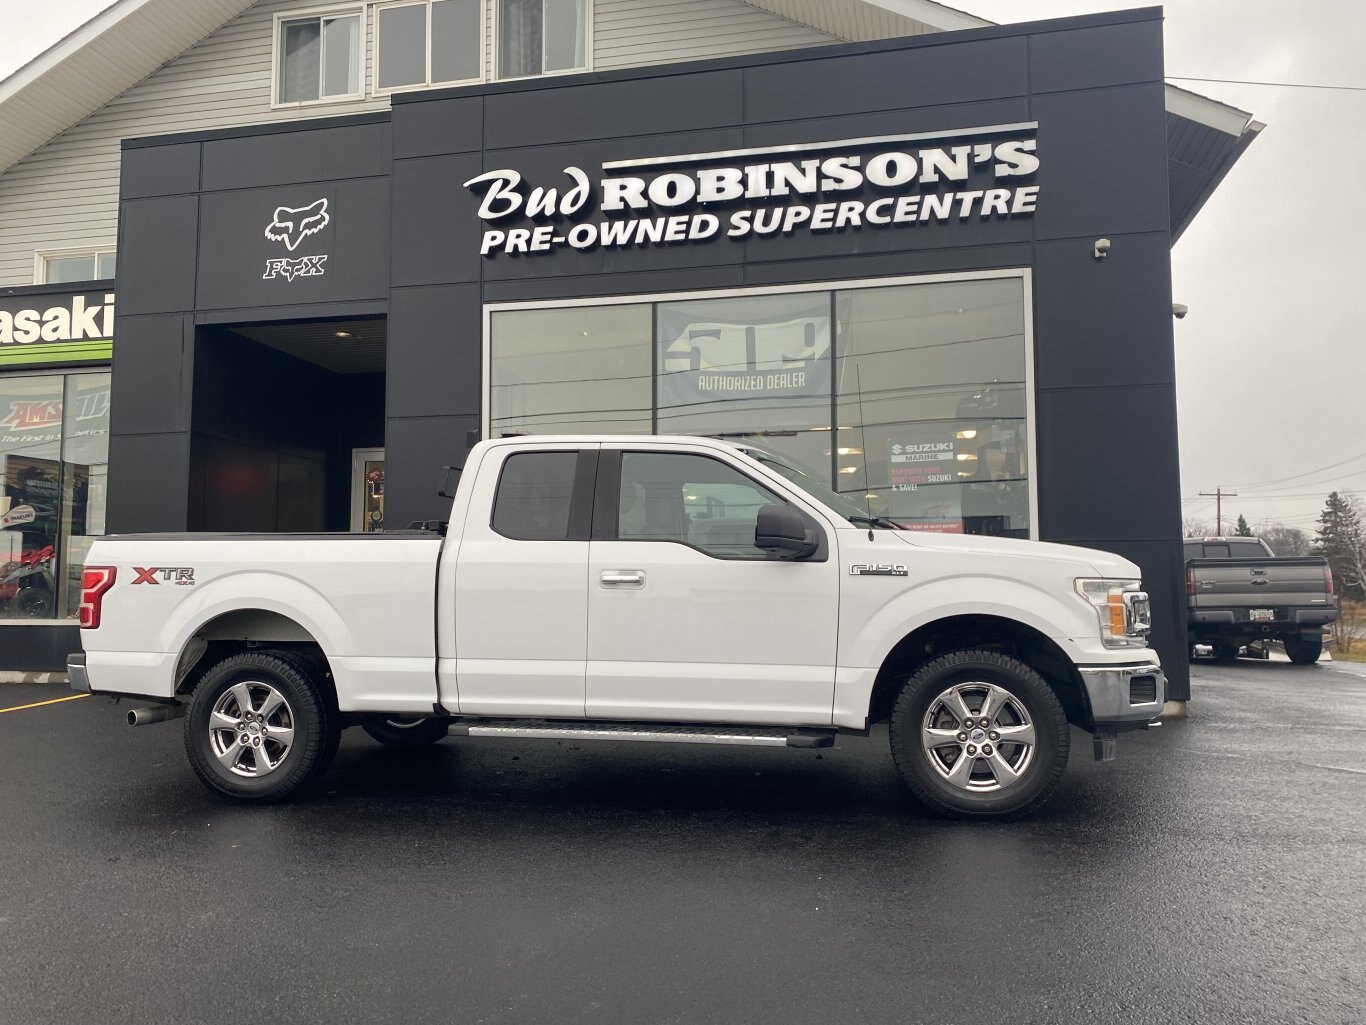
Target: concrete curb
x,y
12,676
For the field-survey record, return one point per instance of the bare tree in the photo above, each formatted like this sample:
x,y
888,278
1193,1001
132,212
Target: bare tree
x,y
1191,527
1283,540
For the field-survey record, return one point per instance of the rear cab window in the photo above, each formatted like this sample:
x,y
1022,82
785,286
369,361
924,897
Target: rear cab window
x,y
535,496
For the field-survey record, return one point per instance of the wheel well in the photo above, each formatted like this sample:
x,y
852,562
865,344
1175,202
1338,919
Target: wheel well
x,y
249,630
992,633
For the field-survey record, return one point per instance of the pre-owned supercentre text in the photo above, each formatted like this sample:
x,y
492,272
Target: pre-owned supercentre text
x,y
894,187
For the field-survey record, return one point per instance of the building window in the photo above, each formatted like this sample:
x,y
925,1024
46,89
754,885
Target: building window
x,y
318,57
911,398
572,371
54,463
57,267
435,42
542,37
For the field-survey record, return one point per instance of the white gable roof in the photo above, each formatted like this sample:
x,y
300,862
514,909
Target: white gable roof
x,y
130,39
858,20
110,53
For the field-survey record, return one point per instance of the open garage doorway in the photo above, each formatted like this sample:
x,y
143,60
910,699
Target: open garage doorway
x,y
280,412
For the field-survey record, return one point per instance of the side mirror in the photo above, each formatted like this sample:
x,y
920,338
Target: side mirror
x,y
781,530
450,477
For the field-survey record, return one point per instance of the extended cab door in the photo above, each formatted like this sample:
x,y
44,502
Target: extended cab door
x,y
687,620
521,582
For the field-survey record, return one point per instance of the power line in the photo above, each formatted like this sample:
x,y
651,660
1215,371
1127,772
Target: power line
x,y
1299,476
1277,85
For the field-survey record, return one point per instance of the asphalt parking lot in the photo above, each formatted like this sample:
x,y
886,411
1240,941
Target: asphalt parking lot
x,y
1213,873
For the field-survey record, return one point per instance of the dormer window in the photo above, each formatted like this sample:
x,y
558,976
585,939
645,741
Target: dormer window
x,y
431,42
541,37
318,56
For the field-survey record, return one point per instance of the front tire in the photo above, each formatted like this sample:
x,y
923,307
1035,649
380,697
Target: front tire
x,y
407,733
978,734
259,728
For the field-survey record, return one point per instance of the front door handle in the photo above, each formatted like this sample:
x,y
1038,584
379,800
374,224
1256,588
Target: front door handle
x,y
623,578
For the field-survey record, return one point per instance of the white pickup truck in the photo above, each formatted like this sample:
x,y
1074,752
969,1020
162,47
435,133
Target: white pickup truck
x,y
644,589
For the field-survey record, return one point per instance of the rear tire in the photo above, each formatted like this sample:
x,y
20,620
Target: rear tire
x,y
952,728
1303,652
407,733
260,727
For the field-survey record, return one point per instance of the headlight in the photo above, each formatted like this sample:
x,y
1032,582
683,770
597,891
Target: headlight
x,y
1124,612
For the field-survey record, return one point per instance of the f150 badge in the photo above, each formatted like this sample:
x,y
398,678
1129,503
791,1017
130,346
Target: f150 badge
x,y
883,569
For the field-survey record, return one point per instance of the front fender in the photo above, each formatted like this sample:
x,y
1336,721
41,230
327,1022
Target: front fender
x,y
871,637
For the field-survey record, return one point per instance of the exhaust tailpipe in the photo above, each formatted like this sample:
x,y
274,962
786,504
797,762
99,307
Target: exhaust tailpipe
x,y
157,713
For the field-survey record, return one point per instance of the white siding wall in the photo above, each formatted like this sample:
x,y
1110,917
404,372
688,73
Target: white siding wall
x,y
65,195
634,32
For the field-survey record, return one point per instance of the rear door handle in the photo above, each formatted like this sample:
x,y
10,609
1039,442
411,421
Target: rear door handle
x,y
623,578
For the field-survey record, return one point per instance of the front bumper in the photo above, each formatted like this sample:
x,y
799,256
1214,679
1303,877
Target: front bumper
x,y
75,672
1124,695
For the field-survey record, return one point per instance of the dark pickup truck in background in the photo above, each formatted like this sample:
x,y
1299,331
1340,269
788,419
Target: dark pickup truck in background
x,y
1239,592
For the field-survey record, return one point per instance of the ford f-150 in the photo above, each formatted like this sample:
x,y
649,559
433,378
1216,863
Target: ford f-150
x,y
642,589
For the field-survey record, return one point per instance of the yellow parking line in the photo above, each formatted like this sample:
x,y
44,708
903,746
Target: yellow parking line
x,y
40,704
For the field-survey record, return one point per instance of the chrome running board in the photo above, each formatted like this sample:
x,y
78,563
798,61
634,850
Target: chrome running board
x,y
671,733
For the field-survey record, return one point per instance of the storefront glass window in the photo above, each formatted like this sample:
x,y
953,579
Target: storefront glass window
x,y
930,405
910,400
748,365
54,456
585,369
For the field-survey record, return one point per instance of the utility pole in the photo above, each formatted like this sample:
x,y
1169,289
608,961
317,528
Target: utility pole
x,y
1219,494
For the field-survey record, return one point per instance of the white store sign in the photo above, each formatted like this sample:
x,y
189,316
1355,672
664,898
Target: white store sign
x,y
849,184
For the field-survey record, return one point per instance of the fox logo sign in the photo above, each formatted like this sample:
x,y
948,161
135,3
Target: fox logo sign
x,y
292,225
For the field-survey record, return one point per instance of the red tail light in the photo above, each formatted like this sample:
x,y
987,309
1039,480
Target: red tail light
x,y
1190,583
1328,580
94,582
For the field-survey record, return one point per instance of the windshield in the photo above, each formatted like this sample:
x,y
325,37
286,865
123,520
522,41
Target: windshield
x,y
821,493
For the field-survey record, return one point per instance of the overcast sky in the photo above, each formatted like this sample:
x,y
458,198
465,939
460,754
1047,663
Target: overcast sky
x,y
1271,373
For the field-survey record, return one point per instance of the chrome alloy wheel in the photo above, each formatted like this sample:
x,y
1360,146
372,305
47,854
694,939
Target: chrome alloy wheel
x,y
978,737
251,729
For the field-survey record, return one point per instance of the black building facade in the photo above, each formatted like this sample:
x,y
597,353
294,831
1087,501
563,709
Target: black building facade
x,y
884,260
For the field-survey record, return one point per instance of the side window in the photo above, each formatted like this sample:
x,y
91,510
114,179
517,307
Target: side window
x,y
691,499
534,496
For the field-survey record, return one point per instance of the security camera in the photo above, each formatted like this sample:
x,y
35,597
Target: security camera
x,y
1102,248
1179,310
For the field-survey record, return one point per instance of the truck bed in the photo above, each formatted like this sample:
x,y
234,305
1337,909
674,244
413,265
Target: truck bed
x,y
368,599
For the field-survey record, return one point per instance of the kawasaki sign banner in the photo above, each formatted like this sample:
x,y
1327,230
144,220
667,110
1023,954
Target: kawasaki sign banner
x,y
55,327
890,182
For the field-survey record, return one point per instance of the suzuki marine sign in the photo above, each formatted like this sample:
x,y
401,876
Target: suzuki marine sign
x,y
877,183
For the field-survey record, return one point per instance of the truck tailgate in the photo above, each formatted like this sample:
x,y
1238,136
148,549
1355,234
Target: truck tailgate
x,y
1258,583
